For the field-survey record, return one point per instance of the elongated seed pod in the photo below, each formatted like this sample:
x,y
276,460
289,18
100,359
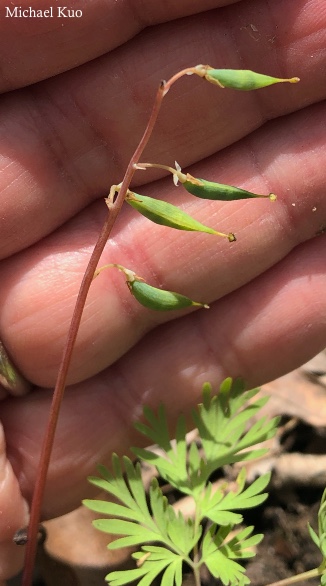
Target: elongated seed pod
x,y
160,299
243,80
151,297
166,214
218,191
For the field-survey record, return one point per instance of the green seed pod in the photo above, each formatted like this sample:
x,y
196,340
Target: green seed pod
x,y
151,297
219,191
244,80
159,299
166,214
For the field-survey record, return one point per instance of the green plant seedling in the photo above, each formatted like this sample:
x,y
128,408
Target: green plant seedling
x,y
211,538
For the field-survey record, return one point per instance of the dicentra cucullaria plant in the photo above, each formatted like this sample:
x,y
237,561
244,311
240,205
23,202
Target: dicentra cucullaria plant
x,y
167,540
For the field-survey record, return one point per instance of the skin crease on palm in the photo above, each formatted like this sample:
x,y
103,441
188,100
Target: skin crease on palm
x,y
69,122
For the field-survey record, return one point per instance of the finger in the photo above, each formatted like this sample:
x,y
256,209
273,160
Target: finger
x,y
14,515
39,286
81,127
259,332
61,35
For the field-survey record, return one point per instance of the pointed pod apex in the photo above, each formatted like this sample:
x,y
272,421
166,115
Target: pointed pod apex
x,y
242,79
160,299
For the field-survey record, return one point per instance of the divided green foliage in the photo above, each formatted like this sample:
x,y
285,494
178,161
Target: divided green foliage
x,y
219,507
227,415
167,540
220,549
221,421
156,560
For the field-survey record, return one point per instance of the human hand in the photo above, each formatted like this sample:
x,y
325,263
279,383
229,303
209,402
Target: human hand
x,y
66,139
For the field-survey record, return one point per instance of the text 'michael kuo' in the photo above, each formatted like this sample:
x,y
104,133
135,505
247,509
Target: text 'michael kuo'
x,y
50,12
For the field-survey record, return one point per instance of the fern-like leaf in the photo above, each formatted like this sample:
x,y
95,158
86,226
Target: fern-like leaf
x,y
221,421
219,553
219,507
152,560
173,465
139,526
133,519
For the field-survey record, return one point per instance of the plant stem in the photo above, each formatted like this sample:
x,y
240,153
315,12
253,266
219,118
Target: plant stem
x,y
196,564
69,346
298,578
187,71
197,575
156,166
47,445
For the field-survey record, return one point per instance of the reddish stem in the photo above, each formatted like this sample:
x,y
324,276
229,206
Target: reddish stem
x,y
69,346
58,393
